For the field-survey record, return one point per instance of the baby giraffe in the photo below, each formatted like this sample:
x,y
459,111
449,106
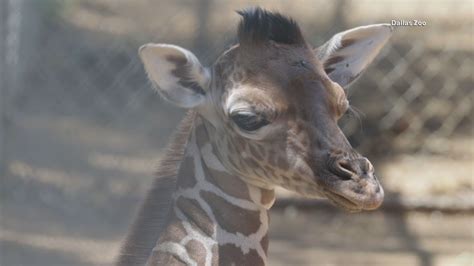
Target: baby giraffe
x,y
263,115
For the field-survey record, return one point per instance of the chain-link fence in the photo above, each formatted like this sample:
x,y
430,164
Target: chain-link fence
x,y
81,129
80,58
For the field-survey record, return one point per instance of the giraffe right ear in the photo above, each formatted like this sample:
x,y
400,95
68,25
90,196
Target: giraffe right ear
x,y
176,74
347,54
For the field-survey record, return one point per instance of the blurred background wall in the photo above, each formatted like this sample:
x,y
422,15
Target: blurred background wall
x,y
81,130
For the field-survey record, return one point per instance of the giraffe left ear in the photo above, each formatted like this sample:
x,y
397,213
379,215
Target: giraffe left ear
x,y
347,54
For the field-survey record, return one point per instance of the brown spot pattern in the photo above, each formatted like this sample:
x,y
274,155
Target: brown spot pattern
x,y
201,135
165,258
215,255
230,217
195,215
231,184
229,254
196,251
186,173
173,232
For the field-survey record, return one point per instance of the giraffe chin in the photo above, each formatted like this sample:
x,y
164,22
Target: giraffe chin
x,y
342,202
347,195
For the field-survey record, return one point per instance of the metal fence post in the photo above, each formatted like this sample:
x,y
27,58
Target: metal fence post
x,y
10,29
3,82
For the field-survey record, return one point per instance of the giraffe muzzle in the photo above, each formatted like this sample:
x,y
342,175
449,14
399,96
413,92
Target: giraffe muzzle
x,y
352,184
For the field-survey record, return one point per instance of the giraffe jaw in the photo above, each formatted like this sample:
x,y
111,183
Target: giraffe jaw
x,y
354,196
341,202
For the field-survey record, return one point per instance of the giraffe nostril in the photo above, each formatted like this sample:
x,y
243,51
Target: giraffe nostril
x,y
341,169
350,168
346,166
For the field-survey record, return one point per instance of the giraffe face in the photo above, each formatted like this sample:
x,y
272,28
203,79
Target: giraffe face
x,y
272,104
278,122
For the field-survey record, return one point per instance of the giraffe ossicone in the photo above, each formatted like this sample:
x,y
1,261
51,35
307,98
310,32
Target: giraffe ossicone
x,y
263,115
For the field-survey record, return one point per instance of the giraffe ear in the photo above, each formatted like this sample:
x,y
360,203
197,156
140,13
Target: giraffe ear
x,y
176,74
347,54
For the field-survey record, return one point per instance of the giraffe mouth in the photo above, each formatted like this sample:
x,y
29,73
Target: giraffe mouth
x,y
354,195
342,202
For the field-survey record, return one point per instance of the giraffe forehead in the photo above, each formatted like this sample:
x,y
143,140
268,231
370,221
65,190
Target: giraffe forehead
x,y
293,84
287,73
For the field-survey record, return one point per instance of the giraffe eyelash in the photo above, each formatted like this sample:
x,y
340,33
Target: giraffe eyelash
x,y
249,122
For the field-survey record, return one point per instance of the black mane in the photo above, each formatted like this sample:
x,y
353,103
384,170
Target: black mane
x,y
258,25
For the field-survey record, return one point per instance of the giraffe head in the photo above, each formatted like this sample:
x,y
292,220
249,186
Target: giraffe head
x,y
272,102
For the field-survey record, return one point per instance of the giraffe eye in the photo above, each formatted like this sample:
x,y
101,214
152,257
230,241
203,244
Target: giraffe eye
x,y
249,121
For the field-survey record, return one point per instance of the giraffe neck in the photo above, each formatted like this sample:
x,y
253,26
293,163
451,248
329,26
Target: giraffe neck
x,y
216,219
